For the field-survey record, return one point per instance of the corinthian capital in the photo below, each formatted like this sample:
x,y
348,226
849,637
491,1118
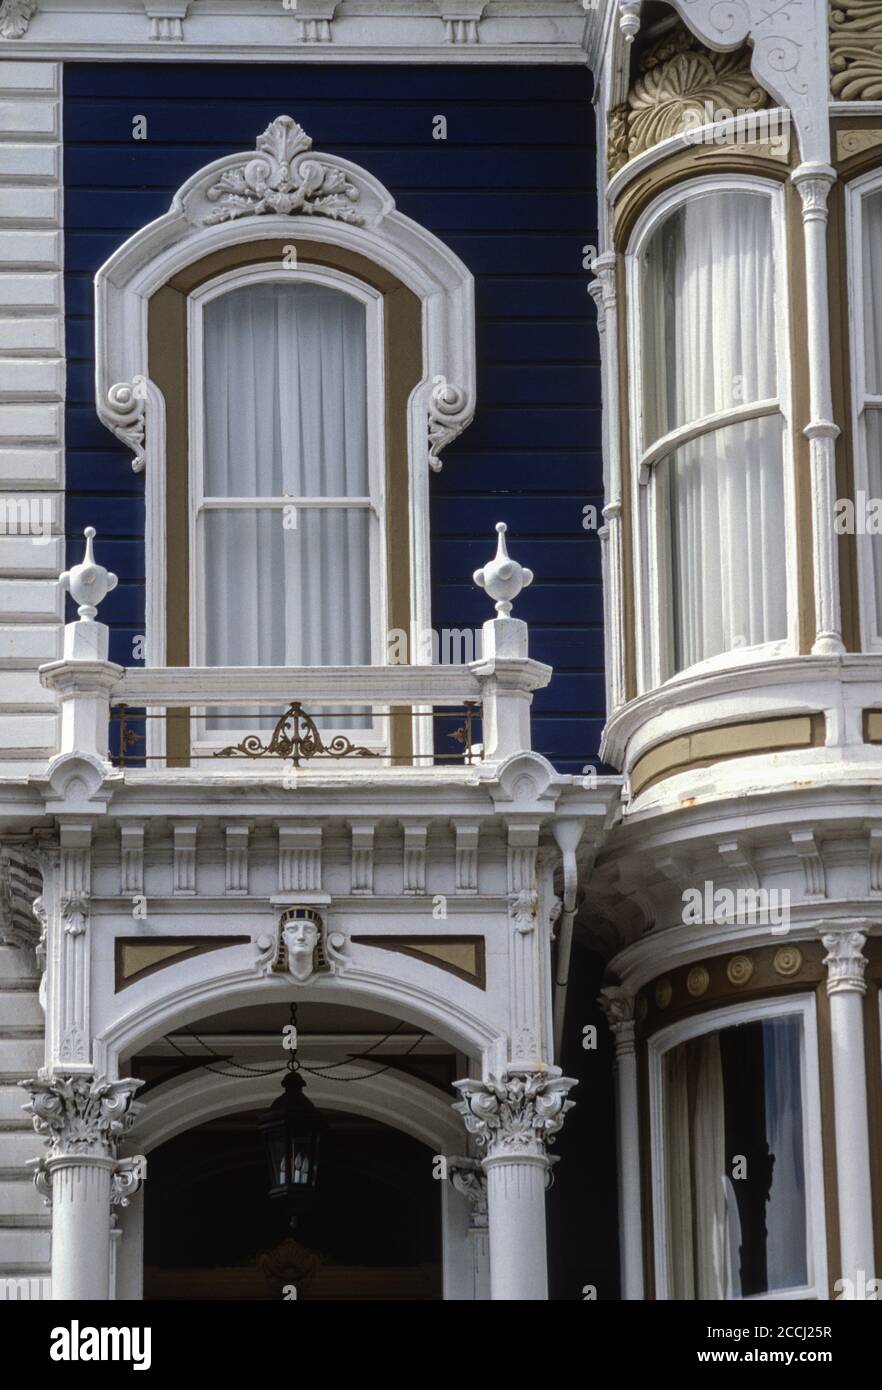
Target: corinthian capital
x,y
845,961
81,1116
515,1116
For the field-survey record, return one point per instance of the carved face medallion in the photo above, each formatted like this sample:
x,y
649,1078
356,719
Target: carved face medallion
x,y
300,938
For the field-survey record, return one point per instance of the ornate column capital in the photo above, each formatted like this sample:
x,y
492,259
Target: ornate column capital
x,y
814,181
845,961
81,1116
469,1179
516,1116
618,1006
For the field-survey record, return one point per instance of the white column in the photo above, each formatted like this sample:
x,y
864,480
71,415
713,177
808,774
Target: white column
x,y
813,182
82,1119
846,988
603,292
130,1259
468,1180
618,1005
513,1120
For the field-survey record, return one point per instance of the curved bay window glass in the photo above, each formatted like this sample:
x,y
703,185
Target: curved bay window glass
x,y
870,403
711,427
734,1160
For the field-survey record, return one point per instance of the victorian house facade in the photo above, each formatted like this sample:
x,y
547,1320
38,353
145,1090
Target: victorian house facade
x,y
440,626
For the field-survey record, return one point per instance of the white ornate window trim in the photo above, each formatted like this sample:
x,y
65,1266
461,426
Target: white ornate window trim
x,y
802,1006
653,657
856,194
283,190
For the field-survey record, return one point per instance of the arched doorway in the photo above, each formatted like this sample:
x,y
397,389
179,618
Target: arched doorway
x,y
210,1230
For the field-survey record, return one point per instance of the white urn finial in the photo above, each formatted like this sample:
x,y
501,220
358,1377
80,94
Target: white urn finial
x,y
88,583
503,578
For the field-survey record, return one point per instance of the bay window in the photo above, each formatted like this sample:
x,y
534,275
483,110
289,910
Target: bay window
x,y
736,1166
707,372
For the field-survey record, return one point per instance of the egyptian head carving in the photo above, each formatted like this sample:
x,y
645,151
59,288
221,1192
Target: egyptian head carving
x,y
300,949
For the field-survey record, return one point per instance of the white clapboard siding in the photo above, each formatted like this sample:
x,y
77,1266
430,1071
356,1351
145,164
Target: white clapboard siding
x,y
31,408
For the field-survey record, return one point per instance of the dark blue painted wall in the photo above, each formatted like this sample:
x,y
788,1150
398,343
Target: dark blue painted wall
x,y
511,190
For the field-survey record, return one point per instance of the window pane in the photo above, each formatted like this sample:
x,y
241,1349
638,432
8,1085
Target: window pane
x,y
734,1160
872,293
707,294
281,597
873,420
721,513
285,393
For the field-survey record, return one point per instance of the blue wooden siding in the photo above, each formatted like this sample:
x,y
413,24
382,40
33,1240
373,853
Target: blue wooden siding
x,y
511,190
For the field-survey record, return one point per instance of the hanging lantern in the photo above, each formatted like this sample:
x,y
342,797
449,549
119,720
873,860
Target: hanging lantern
x,y
292,1131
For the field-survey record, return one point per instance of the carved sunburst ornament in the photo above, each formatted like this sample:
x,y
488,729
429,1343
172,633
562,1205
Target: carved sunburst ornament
x,y
279,179
680,83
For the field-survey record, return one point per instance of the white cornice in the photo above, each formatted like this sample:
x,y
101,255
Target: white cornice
x,y
400,31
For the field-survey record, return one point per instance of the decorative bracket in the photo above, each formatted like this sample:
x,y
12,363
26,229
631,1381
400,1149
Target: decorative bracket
x,y
788,55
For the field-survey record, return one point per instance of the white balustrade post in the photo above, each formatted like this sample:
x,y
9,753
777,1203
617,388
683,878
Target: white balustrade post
x,y
82,1119
84,678
846,988
618,1005
513,1120
508,676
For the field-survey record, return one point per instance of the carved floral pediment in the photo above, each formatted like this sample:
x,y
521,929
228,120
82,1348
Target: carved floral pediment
x,y
279,178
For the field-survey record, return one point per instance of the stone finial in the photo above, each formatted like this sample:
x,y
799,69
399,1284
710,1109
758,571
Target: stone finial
x,y
503,578
88,583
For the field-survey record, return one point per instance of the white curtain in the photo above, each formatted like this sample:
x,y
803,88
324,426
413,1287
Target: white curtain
x,y
286,416
785,1210
709,345
872,304
709,1157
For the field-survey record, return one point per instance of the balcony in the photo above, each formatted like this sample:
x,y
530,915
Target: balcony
x,y
288,723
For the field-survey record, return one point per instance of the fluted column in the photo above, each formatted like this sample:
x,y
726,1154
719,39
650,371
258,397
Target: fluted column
x,y
814,182
82,1119
514,1119
846,988
618,1005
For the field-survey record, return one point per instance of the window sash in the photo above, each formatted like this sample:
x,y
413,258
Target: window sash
x,y
201,503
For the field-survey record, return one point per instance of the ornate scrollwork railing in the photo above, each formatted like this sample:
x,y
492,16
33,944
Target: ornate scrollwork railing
x,y
295,738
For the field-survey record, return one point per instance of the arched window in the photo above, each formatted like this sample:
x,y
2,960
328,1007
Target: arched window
x,y
288,380
707,370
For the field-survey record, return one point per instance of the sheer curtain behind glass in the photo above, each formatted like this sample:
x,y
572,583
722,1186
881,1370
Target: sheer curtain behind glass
x,y
285,383
709,346
734,1162
872,404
